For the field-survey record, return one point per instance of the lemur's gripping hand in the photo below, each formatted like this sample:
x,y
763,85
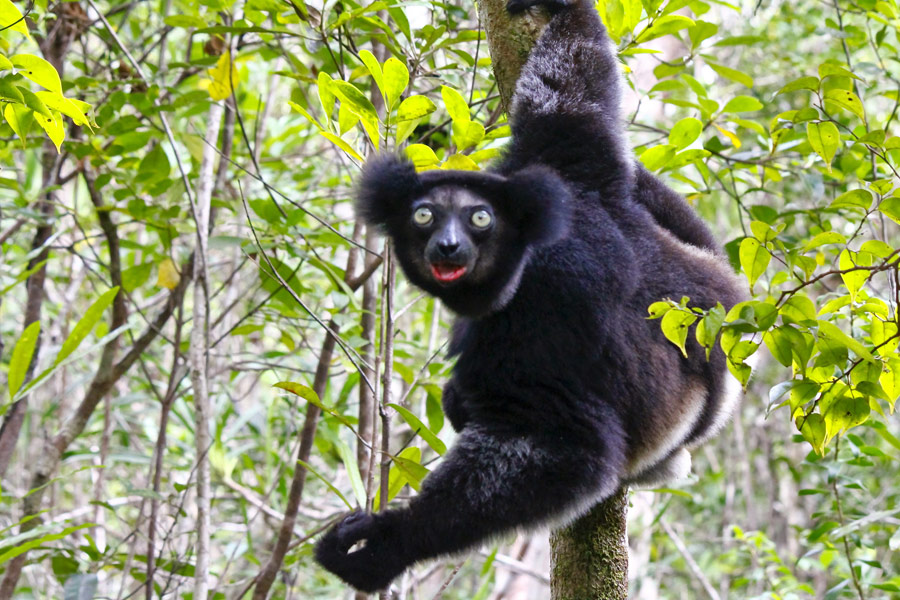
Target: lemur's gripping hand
x,y
369,568
518,6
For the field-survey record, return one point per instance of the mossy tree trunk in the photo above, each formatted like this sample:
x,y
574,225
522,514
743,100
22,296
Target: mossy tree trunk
x,y
590,556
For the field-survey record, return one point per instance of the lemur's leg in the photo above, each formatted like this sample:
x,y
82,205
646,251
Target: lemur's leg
x,y
486,485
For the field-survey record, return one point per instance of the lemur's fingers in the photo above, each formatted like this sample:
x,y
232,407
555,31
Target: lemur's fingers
x,y
518,6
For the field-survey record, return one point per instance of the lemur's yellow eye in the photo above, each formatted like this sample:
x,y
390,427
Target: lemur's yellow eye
x,y
423,216
481,218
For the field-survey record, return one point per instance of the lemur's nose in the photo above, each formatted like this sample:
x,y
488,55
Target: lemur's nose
x,y
447,248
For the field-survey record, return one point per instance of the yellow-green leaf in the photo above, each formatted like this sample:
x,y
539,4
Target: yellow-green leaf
x,y
685,132
455,104
340,143
812,428
37,70
657,157
21,357
374,68
19,119
824,139
396,78
224,78
54,128
421,156
467,133
86,324
65,106
732,74
675,324
168,276
415,107
846,100
460,162
804,83
754,259
735,140
11,18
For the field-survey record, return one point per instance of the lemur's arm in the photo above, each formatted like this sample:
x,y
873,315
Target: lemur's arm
x,y
565,111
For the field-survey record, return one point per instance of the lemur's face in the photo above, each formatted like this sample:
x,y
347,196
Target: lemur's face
x,y
453,236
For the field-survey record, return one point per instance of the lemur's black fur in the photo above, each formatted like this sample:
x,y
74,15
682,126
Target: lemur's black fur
x,y
563,390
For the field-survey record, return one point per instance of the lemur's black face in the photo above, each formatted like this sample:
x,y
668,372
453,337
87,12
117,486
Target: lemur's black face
x,y
453,236
464,236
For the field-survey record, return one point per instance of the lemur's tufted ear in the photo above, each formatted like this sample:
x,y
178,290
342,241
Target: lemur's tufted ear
x,y
387,183
542,202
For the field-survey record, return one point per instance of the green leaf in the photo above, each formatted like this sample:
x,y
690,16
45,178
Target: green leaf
x,y
415,107
846,100
154,166
86,324
824,139
804,83
357,103
833,70
657,157
326,98
19,119
396,78
31,544
742,104
675,324
847,412
455,104
732,74
21,357
685,132
891,207
10,92
832,333
754,259
11,18
374,68
420,429
349,460
310,469
37,70
340,143
664,26
858,198
409,465
827,237
854,279
308,394
812,428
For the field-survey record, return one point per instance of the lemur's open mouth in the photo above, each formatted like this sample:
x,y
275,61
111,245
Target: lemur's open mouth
x,y
447,272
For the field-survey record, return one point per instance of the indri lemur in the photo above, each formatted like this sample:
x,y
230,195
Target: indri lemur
x,y
563,390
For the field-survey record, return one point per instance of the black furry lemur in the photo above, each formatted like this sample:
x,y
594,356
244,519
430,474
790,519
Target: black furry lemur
x,y
563,390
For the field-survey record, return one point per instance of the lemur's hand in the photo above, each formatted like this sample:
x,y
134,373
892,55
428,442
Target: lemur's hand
x,y
518,6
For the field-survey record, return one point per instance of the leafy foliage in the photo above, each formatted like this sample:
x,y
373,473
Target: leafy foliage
x,y
777,120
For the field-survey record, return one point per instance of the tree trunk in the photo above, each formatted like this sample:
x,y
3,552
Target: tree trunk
x,y
590,556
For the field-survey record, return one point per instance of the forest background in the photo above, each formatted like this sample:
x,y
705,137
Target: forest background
x,y
177,242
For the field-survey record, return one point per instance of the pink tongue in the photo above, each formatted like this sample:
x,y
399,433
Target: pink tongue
x,y
443,272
